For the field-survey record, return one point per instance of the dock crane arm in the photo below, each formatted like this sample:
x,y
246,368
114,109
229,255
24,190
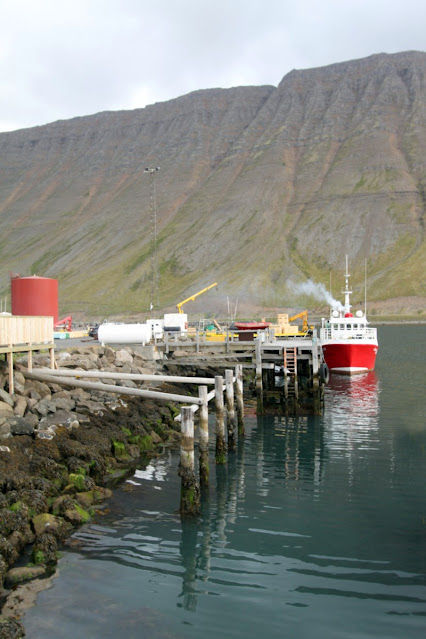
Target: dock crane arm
x,y
304,315
192,298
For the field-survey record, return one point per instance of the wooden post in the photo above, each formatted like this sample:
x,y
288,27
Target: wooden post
x,y
316,387
30,359
259,388
240,400
52,358
220,421
229,383
10,362
315,359
190,491
204,437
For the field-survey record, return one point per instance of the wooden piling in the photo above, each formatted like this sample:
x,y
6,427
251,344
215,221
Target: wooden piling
x,y
259,387
220,421
240,400
230,409
204,437
190,490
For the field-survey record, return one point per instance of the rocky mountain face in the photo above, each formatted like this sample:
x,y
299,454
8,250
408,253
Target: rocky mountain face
x,y
259,189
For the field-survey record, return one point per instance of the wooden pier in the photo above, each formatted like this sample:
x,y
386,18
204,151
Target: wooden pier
x,y
290,372
290,376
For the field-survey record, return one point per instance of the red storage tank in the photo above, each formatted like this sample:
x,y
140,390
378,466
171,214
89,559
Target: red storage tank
x,y
34,296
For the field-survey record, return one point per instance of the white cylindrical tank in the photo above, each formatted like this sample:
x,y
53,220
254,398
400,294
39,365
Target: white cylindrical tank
x,y
124,333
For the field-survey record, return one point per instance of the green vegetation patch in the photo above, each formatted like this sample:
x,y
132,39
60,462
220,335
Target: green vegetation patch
x,y
119,448
78,481
84,514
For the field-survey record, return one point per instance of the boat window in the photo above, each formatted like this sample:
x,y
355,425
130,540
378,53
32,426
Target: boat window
x,y
348,326
342,327
356,326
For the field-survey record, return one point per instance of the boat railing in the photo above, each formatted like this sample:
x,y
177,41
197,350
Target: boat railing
x,y
351,333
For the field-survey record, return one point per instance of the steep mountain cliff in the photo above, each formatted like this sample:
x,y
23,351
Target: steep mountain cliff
x,y
259,188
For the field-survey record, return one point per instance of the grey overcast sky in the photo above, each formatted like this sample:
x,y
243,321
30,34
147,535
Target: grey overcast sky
x,y
65,58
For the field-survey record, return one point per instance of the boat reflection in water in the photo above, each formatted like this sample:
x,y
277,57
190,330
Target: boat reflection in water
x,y
352,411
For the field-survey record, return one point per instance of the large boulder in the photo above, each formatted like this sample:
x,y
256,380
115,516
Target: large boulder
x,y
61,417
6,410
83,363
20,406
22,425
5,397
47,523
40,388
45,406
123,357
65,403
4,428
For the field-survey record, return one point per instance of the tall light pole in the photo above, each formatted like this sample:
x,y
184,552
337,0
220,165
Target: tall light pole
x,y
154,270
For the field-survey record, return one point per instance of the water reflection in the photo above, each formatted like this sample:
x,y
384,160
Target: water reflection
x,y
295,443
352,412
355,395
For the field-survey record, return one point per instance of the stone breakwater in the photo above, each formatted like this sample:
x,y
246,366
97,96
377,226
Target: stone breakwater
x,y
61,451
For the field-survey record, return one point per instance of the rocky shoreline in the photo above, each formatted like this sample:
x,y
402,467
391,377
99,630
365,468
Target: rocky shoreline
x,y
61,452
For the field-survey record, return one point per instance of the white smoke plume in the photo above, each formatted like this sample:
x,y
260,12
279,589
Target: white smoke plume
x,y
317,291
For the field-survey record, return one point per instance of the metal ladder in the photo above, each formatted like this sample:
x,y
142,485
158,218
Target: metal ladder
x,y
290,372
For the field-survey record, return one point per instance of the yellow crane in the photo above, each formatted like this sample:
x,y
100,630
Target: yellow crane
x,y
304,315
192,298
285,328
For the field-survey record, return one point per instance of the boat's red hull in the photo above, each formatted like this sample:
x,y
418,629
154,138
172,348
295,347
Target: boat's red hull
x,y
350,358
251,326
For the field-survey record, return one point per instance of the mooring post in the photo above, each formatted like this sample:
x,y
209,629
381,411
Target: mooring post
x,y
220,421
240,400
259,387
204,437
190,490
230,408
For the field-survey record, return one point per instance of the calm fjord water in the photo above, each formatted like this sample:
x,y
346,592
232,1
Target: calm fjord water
x,y
315,528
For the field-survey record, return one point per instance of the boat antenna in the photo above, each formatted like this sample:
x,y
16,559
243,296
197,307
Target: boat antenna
x,y
365,287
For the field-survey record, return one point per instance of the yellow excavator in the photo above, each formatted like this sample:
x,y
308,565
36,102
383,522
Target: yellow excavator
x,y
192,298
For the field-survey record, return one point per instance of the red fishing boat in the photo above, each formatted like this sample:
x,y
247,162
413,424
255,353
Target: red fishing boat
x,y
349,345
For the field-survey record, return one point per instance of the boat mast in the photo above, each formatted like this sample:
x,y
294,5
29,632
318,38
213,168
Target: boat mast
x,y
347,293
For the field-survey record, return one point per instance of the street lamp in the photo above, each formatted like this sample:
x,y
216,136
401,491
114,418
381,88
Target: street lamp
x,y
154,271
